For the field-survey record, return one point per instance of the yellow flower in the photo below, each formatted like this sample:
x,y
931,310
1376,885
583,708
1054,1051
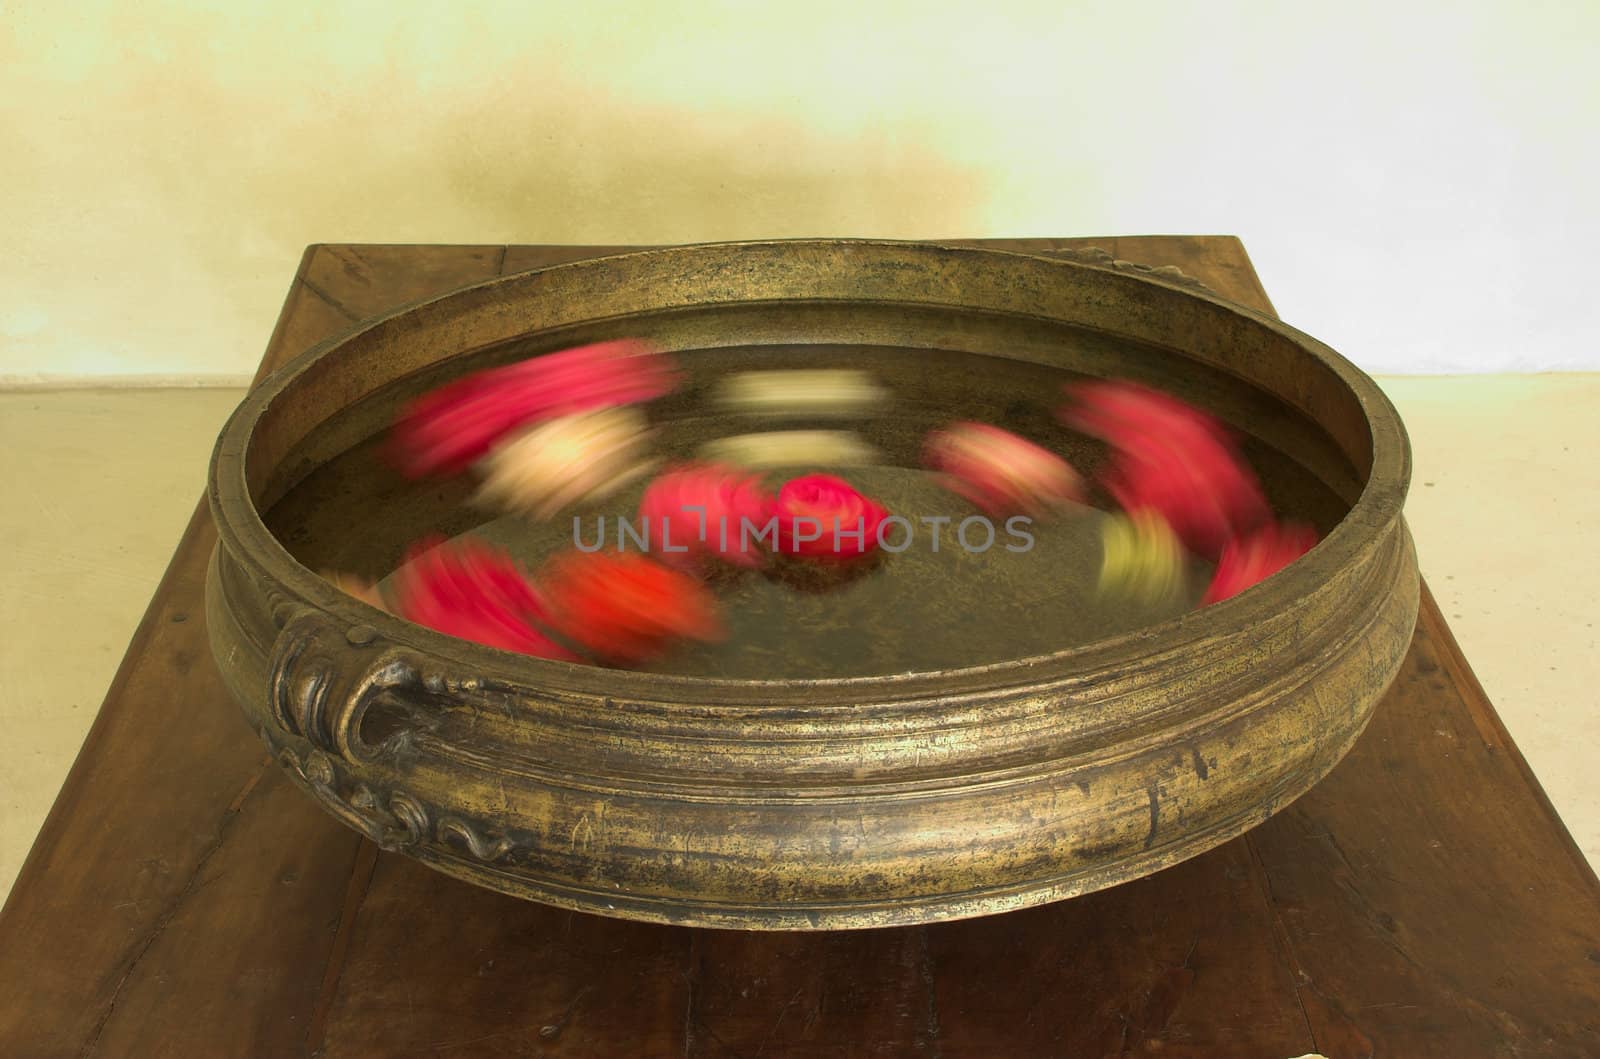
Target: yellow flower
x,y
1142,559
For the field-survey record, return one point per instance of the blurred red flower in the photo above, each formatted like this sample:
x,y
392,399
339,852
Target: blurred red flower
x,y
1251,559
705,507
476,592
627,608
1171,458
447,430
1001,473
823,517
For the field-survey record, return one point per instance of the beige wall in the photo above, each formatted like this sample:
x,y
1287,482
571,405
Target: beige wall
x,y
1415,182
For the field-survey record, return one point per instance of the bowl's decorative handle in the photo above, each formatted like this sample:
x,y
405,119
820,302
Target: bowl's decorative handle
x,y
315,692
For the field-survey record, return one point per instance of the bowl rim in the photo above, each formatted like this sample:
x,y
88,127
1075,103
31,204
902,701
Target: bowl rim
x,y
243,532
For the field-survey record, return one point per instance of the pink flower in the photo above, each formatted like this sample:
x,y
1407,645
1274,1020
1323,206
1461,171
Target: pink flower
x,y
1120,410
1253,558
1001,473
708,508
1173,459
625,608
449,429
823,517
473,591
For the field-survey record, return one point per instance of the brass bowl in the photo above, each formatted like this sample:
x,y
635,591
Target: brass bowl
x,y
1018,758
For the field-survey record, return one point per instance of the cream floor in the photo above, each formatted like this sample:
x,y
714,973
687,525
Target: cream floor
x,y
97,484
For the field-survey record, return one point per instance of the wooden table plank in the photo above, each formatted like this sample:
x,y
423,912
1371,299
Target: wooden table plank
x,y
437,967
367,281
212,980
1185,962
805,994
1418,853
119,892
182,899
307,317
153,796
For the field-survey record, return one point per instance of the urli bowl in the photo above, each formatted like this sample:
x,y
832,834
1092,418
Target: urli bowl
x,y
951,735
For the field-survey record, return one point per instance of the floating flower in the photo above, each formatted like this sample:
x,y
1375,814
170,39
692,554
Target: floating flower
x,y
1142,559
1253,558
449,429
1204,500
790,448
627,608
1001,473
708,508
476,592
806,392
1173,459
561,461
1121,411
823,517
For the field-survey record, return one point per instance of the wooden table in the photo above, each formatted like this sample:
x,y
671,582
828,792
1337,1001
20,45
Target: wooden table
x,y
184,899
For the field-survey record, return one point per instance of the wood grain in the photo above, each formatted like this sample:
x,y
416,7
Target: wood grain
x,y
366,281
437,967
182,899
308,317
1418,853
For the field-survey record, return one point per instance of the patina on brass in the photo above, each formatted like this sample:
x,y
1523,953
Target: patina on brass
x,y
834,803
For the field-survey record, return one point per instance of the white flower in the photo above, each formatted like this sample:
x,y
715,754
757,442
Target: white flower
x,y
559,462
